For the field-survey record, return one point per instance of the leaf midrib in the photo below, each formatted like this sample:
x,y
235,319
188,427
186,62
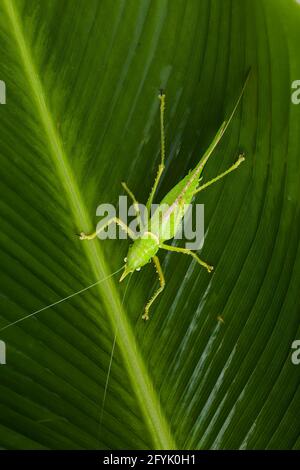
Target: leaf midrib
x,y
136,368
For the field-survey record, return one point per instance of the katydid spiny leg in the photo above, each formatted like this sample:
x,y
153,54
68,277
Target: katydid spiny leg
x,y
186,251
91,236
135,203
221,175
159,290
161,166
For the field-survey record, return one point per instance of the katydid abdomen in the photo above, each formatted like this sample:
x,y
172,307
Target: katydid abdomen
x,y
163,225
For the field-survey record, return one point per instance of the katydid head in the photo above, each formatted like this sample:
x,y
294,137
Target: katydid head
x,y
125,273
139,254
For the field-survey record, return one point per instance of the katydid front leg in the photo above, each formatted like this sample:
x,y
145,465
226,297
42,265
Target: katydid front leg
x,y
159,290
91,236
135,203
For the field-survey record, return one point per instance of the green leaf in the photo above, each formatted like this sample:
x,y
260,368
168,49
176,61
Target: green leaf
x,y
81,116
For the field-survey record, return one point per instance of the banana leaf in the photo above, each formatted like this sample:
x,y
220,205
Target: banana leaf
x,y
212,368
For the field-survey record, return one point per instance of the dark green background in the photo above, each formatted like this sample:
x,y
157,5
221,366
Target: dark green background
x,y
81,116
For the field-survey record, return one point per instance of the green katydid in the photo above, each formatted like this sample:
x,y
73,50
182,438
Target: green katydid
x,y
168,216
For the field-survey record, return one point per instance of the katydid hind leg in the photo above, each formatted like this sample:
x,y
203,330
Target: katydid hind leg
x,y
221,175
221,130
161,166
